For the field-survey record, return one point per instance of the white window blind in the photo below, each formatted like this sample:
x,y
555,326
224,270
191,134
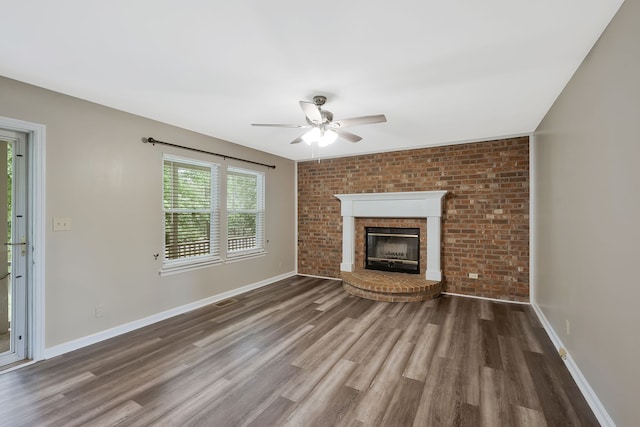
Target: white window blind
x,y
245,211
190,205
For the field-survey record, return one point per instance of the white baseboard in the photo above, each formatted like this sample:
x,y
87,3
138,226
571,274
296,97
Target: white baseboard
x,y
76,344
18,366
484,298
590,396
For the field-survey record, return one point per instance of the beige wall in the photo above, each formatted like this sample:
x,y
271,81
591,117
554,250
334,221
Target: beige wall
x,y
100,174
587,208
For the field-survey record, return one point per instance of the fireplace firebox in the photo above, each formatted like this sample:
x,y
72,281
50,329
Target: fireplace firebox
x,y
392,249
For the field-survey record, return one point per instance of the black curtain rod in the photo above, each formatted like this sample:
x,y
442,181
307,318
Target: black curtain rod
x,y
154,141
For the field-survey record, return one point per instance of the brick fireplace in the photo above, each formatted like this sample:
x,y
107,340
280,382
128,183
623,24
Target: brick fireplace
x,y
386,210
414,204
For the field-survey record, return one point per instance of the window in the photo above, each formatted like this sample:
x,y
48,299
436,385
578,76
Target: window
x,y
245,211
191,212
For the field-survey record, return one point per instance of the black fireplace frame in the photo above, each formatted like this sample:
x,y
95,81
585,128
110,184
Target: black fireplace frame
x,y
392,264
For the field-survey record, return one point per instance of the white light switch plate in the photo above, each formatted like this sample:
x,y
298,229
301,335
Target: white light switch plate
x,y
61,224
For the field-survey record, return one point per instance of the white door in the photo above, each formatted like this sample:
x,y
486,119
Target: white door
x,y
13,250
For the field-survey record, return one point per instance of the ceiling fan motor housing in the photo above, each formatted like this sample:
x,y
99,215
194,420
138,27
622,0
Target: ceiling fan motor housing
x,y
319,100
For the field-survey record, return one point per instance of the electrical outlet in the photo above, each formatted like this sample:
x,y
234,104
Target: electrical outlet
x,y
567,326
99,311
473,275
61,224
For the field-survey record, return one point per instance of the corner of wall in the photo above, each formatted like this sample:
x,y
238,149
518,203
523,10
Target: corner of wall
x,y
585,388
532,223
295,216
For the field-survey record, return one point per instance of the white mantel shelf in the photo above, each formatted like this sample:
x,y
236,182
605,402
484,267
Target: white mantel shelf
x,y
414,204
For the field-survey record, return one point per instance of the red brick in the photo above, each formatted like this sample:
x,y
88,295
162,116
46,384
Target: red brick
x,y
485,226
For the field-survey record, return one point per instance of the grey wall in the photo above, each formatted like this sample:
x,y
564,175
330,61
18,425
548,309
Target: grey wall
x,y
100,174
587,212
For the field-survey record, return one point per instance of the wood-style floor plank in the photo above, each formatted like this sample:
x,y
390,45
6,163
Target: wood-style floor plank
x,y
520,385
373,404
403,405
277,410
367,370
310,411
420,360
495,407
302,352
439,400
525,417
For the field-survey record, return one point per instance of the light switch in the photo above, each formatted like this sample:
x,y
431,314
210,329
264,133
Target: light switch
x,y
61,223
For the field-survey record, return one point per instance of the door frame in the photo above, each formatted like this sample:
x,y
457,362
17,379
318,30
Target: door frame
x,y
36,229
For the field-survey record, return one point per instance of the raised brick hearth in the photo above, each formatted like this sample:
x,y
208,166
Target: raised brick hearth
x,y
390,287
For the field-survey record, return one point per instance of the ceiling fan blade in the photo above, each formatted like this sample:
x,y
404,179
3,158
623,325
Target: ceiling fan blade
x,y
298,140
348,135
278,125
357,121
311,111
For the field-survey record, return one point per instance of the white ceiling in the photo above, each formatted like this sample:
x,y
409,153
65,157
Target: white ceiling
x,y
441,71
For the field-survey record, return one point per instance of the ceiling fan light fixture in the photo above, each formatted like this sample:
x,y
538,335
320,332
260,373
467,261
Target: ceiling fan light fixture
x,y
320,136
312,136
329,137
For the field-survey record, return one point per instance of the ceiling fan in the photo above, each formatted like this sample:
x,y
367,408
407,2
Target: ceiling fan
x,y
322,128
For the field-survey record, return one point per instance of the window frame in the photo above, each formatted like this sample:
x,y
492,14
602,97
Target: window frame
x,y
172,266
260,211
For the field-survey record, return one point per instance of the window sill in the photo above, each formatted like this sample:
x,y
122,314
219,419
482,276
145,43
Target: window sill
x,y
243,256
190,265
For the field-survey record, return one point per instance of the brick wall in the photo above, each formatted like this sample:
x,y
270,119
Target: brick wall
x,y
485,226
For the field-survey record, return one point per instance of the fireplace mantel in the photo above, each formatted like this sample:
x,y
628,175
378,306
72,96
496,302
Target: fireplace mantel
x,y
414,204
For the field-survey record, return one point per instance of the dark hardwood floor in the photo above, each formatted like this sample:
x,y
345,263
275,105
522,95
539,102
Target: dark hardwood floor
x,y
302,352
